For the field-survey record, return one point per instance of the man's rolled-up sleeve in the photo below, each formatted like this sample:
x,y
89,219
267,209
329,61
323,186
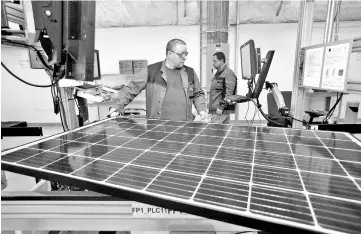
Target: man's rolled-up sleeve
x,y
199,97
128,92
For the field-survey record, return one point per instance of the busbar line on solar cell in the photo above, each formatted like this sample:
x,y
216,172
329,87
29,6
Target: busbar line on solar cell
x,y
111,150
338,161
251,178
92,144
209,166
138,157
305,192
163,169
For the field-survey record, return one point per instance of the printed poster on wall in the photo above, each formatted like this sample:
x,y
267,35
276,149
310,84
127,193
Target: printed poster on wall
x,y
313,67
335,67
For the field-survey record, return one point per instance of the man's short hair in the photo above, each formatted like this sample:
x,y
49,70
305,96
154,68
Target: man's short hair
x,y
220,56
172,43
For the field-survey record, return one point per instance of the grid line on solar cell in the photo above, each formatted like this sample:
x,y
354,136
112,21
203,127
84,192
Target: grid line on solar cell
x,y
321,165
354,169
251,173
271,137
172,183
199,150
219,126
130,133
110,131
179,137
142,154
172,159
272,146
209,166
346,155
207,140
154,135
329,135
209,190
292,207
70,147
315,151
189,164
42,159
174,123
235,155
95,151
350,145
168,147
154,159
20,155
242,135
62,165
49,144
164,128
131,175
331,185
302,182
304,140
92,144
98,170
278,177
71,136
337,215
274,159
230,170
349,176
212,132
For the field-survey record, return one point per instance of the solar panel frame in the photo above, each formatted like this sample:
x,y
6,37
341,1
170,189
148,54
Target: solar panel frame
x,y
245,218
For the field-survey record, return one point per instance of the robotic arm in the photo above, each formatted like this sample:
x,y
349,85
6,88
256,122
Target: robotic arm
x,y
277,95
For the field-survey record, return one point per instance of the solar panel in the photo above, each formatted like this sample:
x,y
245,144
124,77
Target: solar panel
x,y
272,179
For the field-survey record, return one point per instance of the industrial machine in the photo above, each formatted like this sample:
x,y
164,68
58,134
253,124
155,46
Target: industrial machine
x,y
60,36
251,66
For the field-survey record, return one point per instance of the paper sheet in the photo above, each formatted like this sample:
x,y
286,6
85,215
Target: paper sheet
x,y
313,67
335,65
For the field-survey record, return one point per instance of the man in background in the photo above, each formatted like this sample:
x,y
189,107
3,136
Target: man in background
x,y
171,88
223,84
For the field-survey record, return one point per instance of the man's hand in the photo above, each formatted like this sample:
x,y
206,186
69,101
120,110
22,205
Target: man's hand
x,y
113,112
203,115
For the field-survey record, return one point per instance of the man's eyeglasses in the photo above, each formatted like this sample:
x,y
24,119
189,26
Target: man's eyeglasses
x,y
182,55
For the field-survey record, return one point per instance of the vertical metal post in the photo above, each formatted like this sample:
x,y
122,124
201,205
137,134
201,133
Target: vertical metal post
x,y
237,55
337,25
68,102
304,36
331,7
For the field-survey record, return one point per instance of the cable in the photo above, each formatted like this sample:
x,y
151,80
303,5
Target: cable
x,y
35,85
245,116
33,47
332,110
254,115
264,115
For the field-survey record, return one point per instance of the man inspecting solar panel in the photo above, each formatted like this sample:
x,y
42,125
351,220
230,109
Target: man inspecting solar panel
x,y
171,88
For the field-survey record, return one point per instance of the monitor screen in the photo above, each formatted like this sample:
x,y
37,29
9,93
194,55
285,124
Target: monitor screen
x,y
97,74
248,60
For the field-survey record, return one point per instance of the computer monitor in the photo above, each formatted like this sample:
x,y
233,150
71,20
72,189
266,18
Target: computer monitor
x,y
97,73
70,26
248,60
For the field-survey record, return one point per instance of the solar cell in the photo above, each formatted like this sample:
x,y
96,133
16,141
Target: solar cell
x,y
265,178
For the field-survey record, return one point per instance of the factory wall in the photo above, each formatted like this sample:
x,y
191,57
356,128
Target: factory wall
x,y
25,103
